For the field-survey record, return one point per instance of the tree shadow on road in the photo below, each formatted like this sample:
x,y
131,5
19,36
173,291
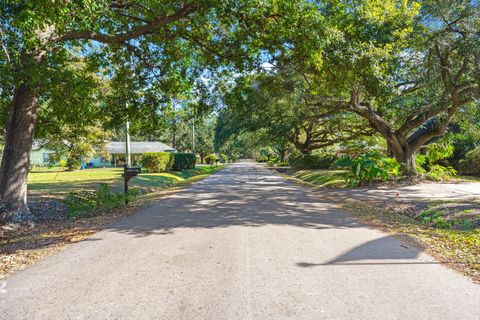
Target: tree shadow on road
x,y
228,198
382,251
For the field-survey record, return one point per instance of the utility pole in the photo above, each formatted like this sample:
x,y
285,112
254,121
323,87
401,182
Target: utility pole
x,y
174,131
193,132
127,144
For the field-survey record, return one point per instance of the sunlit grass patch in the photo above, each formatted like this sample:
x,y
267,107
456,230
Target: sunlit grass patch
x,y
322,178
59,181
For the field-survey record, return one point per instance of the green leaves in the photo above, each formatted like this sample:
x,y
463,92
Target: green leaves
x,y
368,168
428,162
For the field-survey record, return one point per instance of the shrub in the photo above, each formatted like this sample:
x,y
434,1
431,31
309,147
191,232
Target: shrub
x,y
463,143
368,167
133,194
429,215
441,223
471,163
223,158
83,203
79,203
438,151
106,199
211,159
438,172
184,161
157,161
312,161
428,163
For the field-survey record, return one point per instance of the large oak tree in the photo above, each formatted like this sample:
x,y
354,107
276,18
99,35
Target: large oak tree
x,y
149,45
404,66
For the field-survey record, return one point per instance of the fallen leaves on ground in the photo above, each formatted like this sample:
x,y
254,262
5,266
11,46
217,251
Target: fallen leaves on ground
x,y
459,249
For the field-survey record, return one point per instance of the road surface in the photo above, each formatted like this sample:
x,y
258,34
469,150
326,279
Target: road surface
x,y
242,244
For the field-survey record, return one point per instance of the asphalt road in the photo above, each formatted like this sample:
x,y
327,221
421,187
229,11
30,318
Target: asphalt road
x,y
242,244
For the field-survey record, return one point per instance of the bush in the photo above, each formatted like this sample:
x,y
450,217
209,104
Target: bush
x,y
184,161
106,199
368,167
312,161
471,163
428,163
223,158
438,172
157,161
211,159
83,203
79,203
463,142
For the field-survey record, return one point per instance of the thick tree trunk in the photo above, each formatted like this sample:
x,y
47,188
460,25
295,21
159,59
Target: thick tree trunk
x,y
407,161
18,145
404,154
283,154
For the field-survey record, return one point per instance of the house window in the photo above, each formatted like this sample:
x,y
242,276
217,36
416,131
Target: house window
x,y
45,158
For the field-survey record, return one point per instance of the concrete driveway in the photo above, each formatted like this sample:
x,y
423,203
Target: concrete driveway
x,y
422,191
242,244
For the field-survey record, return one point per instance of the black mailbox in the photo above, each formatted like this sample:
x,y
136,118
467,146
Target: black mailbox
x,y
129,173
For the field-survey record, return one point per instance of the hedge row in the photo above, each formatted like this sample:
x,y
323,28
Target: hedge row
x,y
184,161
312,161
166,161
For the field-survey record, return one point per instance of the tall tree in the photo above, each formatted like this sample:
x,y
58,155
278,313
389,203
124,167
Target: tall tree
x,y
149,45
204,136
282,106
405,68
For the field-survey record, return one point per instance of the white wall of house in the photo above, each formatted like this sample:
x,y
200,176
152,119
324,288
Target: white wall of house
x,y
40,157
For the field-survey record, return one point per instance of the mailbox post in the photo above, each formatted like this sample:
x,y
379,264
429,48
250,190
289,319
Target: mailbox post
x,y
129,173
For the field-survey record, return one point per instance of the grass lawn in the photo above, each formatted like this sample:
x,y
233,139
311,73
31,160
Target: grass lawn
x,y
56,181
466,178
336,178
322,178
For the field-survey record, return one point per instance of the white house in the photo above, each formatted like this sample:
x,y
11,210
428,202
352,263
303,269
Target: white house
x,y
40,155
117,150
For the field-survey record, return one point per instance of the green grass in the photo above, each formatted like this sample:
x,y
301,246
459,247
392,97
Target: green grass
x,y
467,178
322,178
55,181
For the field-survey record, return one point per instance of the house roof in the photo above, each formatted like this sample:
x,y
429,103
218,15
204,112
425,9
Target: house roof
x,y
138,147
38,144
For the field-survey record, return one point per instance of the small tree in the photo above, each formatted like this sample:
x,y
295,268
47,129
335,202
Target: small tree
x,y
77,144
204,135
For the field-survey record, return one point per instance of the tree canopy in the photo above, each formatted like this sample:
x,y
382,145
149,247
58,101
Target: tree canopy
x,y
300,74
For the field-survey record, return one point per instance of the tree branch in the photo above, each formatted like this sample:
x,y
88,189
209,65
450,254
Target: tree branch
x,y
136,32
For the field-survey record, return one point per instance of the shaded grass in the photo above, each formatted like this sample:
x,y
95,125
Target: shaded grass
x,y
459,249
322,178
466,178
